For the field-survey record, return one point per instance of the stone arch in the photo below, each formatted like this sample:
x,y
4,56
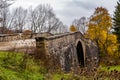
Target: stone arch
x,y
80,51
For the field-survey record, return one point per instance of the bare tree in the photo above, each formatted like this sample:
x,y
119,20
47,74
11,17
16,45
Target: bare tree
x,y
19,19
37,18
80,24
40,19
62,28
4,14
43,19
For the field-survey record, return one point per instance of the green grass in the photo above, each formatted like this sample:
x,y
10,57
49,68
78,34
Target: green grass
x,y
110,68
15,66
7,74
12,67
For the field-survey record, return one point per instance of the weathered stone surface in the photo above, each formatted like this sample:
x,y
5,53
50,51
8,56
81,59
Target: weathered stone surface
x,y
67,51
20,42
21,36
92,58
71,49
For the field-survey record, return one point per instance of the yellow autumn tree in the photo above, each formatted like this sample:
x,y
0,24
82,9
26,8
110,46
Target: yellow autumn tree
x,y
73,28
99,31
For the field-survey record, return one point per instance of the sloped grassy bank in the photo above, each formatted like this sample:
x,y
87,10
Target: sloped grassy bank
x,y
19,66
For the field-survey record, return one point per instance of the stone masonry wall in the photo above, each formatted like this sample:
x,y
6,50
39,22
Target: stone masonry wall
x,y
20,36
63,47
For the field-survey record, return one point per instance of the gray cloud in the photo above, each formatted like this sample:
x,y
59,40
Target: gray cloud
x,y
78,8
75,9
85,5
68,10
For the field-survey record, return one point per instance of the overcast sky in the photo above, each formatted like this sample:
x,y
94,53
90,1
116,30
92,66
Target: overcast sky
x,y
68,10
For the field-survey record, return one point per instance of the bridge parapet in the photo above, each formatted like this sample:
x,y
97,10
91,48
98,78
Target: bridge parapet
x,y
59,41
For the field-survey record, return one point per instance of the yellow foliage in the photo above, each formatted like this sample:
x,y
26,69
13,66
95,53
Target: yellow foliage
x,y
112,38
112,49
99,31
112,41
73,28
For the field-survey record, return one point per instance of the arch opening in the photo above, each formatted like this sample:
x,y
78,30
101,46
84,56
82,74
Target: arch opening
x,y
80,54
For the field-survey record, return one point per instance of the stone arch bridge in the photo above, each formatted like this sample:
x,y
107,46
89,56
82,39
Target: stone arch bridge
x,y
70,50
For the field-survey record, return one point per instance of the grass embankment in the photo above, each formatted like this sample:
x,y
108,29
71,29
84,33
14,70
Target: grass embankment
x,y
17,66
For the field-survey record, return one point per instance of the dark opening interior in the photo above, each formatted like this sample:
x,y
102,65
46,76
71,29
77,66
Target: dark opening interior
x,y
80,54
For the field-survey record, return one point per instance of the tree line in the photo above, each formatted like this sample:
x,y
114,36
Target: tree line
x,y
39,19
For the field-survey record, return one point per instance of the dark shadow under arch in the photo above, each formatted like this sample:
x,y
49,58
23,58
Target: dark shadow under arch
x,y
80,54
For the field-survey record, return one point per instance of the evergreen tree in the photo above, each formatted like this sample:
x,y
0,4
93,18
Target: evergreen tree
x,y
116,22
